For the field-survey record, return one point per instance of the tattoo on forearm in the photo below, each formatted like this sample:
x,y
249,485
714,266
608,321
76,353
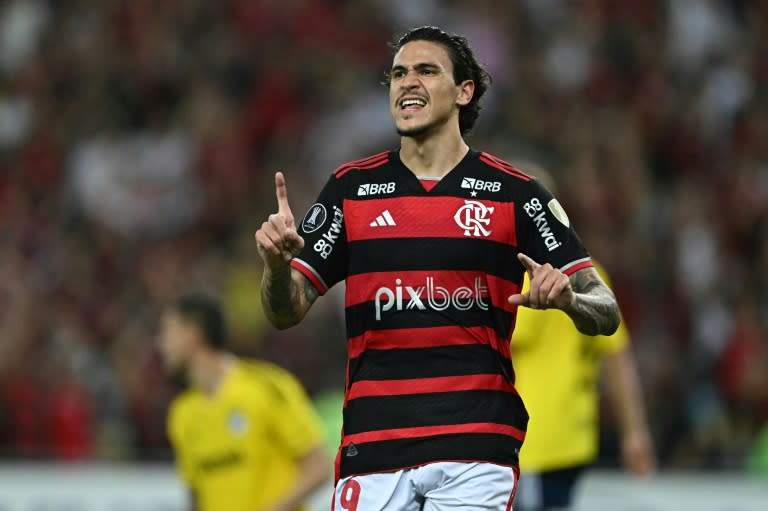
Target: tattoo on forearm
x,y
286,298
595,311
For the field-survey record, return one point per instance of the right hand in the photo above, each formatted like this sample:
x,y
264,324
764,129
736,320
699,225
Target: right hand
x,y
637,453
549,287
278,241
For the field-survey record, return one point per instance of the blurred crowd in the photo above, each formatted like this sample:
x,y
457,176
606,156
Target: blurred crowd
x,y
138,143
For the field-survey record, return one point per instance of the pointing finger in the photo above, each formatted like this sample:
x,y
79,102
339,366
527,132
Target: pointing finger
x,y
281,191
527,262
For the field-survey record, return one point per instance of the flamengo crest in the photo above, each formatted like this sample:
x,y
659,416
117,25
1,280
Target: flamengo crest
x,y
473,217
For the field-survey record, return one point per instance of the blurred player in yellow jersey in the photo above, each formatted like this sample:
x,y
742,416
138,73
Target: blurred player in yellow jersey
x,y
244,433
557,370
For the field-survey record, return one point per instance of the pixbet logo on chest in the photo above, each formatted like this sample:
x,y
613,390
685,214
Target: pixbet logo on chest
x,y
430,296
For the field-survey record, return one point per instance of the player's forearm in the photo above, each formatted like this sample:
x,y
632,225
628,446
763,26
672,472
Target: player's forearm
x,y
314,470
192,500
286,296
594,310
625,393
626,398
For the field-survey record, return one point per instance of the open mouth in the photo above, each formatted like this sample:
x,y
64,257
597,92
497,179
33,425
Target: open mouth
x,y
412,104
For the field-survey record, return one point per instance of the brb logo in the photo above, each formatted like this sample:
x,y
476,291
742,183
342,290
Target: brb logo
x,y
375,188
479,184
473,217
430,296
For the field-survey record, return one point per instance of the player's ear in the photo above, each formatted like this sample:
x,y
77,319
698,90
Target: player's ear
x,y
465,92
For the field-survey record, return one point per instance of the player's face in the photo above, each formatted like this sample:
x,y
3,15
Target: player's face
x,y
422,93
175,341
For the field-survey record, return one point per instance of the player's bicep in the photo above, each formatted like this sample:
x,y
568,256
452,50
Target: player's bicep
x,y
324,257
588,281
546,233
306,292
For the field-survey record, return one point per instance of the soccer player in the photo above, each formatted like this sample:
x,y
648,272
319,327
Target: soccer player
x,y
432,240
244,434
557,369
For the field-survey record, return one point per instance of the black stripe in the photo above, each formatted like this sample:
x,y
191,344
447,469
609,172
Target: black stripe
x,y
428,363
437,254
392,412
361,318
397,454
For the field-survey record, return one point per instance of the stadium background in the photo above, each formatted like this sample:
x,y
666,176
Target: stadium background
x,y
138,139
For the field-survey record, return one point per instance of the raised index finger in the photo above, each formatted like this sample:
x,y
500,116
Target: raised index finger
x,y
528,263
281,191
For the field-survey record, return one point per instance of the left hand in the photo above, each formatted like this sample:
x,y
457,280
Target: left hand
x,y
550,288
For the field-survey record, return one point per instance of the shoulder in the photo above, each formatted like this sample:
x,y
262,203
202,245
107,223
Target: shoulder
x,y
494,164
368,163
265,374
181,406
496,174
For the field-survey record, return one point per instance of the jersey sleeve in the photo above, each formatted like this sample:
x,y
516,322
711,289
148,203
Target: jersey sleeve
x,y
546,234
324,256
295,423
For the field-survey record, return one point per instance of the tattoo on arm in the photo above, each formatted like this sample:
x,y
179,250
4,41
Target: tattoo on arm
x,y
595,311
286,296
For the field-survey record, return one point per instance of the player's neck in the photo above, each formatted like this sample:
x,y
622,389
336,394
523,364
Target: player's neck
x,y
209,369
432,156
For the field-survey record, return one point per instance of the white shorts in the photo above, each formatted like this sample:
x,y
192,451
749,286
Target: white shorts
x,y
439,486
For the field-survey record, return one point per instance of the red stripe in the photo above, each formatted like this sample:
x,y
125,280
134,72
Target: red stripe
x,y
431,217
305,270
373,165
516,477
500,289
369,388
424,431
415,338
364,164
361,161
431,286
576,267
504,166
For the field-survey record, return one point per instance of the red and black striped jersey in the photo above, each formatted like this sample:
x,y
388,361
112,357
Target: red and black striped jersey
x,y
428,273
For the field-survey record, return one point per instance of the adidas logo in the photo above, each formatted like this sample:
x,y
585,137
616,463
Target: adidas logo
x,y
351,450
383,219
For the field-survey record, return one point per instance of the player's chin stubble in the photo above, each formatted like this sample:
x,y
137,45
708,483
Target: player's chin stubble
x,y
178,377
417,132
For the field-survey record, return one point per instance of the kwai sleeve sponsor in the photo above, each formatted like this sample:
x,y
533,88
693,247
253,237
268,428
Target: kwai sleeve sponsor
x,y
546,233
324,256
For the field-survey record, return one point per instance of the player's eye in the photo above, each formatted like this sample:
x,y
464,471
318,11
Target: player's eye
x,y
396,73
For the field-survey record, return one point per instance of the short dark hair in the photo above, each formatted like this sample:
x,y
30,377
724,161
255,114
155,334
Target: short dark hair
x,y
205,313
465,67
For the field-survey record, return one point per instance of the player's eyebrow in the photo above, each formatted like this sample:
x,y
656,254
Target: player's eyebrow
x,y
421,66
